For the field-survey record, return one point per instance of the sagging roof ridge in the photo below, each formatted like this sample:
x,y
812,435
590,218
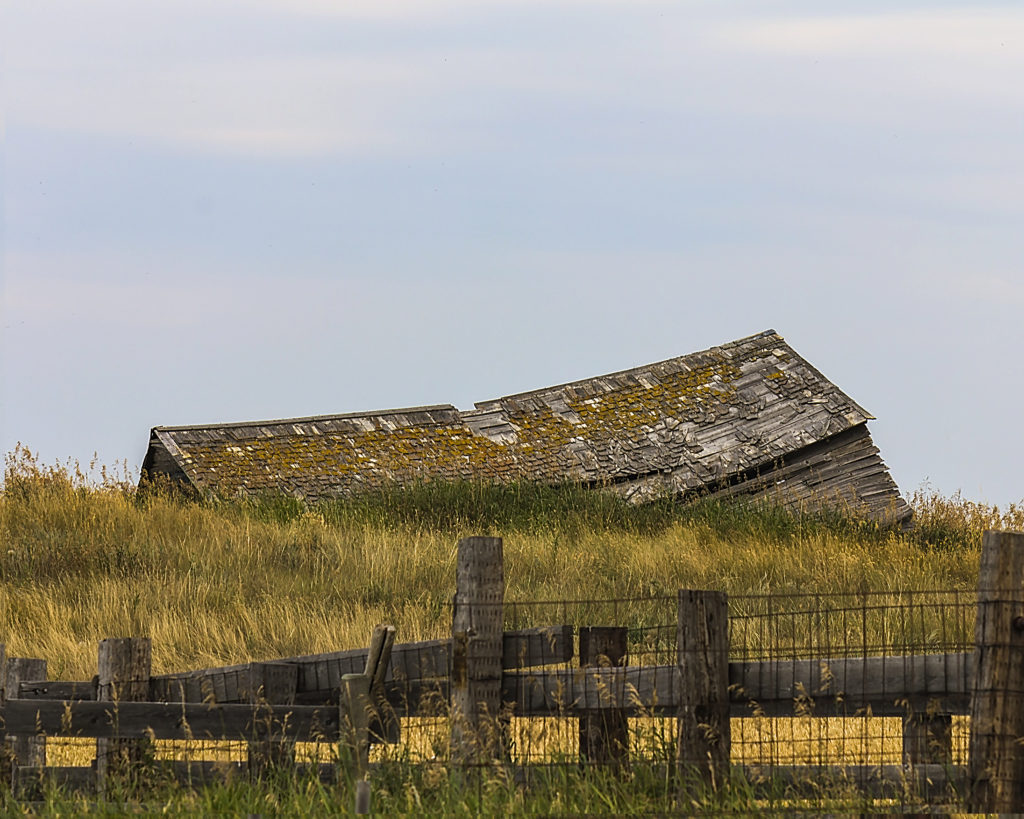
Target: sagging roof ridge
x,y
495,403
481,407
766,339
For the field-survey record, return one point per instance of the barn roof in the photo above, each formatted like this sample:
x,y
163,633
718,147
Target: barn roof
x,y
728,415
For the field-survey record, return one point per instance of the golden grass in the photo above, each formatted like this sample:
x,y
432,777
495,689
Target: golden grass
x,y
215,584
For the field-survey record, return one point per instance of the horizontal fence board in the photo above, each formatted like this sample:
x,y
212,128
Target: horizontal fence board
x,y
930,782
888,686
65,777
883,686
810,781
529,647
575,691
186,772
320,675
171,720
78,690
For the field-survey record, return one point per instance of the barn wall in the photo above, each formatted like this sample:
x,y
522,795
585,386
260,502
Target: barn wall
x,y
844,471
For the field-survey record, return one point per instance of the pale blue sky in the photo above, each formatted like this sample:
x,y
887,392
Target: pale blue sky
x,y
239,209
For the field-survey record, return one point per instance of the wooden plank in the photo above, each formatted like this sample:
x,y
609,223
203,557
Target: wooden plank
x,y
885,686
384,725
835,687
375,660
578,691
187,772
269,682
166,720
931,783
29,781
529,647
57,690
521,648
845,685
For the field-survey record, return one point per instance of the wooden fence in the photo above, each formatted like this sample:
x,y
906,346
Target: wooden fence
x,y
483,674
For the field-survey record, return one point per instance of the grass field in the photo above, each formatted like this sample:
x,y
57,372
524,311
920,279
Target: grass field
x,y
216,582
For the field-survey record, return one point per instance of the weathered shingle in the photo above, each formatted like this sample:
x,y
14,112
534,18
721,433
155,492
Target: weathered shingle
x,y
712,421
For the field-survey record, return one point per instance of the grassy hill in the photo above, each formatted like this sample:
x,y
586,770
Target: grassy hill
x,y
217,582
214,582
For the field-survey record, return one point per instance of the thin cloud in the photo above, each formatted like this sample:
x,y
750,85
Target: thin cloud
x,y
978,33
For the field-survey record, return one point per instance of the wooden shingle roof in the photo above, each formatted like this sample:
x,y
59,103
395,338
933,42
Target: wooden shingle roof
x,y
705,421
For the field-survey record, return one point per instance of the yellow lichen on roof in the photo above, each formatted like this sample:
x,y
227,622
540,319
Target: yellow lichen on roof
x,y
366,458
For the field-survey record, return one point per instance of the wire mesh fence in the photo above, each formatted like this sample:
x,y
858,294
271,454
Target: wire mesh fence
x,y
867,689
848,688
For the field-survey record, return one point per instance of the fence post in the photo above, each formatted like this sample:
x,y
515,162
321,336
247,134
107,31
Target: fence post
x,y
124,666
5,761
270,684
604,734
927,739
477,647
355,708
996,756
703,720
24,750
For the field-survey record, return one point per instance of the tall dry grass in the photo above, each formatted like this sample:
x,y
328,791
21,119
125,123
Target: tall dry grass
x,y
217,582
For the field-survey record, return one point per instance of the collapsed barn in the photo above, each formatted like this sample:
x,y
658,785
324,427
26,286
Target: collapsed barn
x,y
746,418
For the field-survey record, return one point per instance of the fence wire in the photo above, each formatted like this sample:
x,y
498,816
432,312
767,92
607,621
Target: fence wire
x,y
827,692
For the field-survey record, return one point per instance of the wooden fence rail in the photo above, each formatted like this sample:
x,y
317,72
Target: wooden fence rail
x,y
482,673
889,686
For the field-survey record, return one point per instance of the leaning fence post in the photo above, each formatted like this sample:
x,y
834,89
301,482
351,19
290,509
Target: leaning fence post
x,y
124,666
604,734
477,648
996,756
703,718
25,751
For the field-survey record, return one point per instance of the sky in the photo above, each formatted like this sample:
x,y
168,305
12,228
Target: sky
x,y
229,210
